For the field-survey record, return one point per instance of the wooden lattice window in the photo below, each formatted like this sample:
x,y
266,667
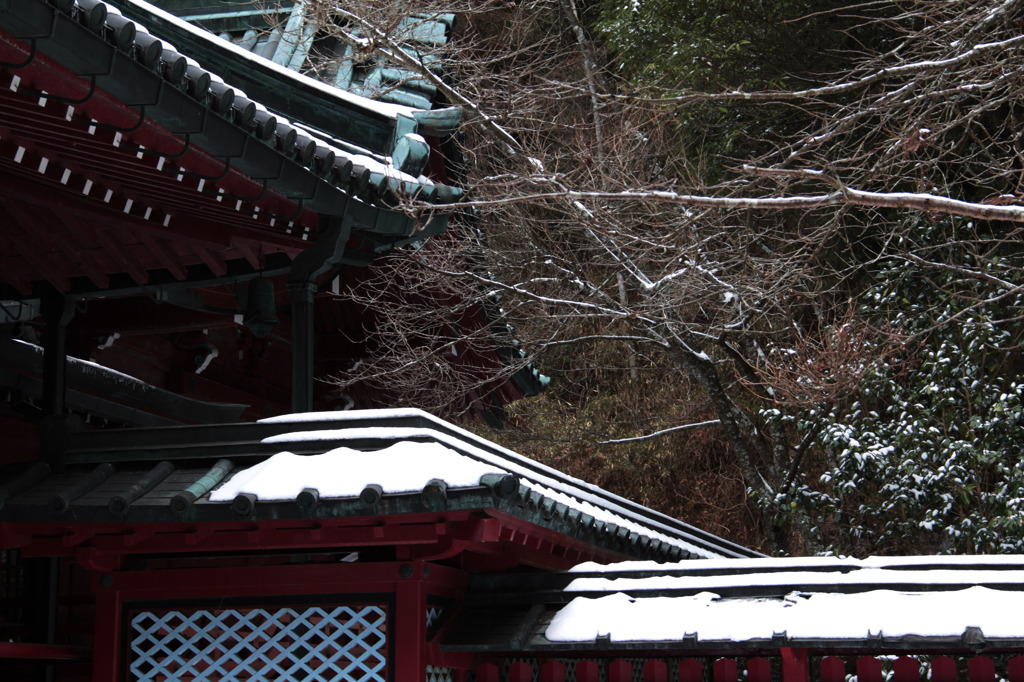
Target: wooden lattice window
x,y
307,643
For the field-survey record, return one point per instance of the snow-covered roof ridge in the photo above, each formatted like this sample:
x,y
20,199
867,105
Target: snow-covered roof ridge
x,y
164,44
961,601
385,109
344,472
953,619
819,563
856,580
545,481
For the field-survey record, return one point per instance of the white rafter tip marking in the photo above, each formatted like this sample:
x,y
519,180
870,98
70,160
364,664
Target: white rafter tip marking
x,y
19,155
43,163
128,206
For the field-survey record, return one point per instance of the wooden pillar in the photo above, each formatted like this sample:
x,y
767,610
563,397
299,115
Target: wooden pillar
x,y
725,670
759,669
655,671
587,671
107,631
620,671
980,669
795,666
52,612
906,669
315,261
690,670
520,672
302,345
1015,669
552,671
57,311
487,672
869,669
410,626
832,669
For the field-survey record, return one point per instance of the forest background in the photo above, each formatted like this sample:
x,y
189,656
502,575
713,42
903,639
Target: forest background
x,y
768,253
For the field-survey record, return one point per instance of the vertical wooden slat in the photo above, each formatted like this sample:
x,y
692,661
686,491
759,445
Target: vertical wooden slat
x,y
980,669
106,661
725,670
869,669
795,664
759,670
1015,669
833,669
655,671
587,671
691,670
906,669
487,672
943,669
520,672
620,671
409,630
552,671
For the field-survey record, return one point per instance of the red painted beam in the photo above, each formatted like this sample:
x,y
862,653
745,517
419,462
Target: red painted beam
x,y
65,136
287,579
424,536
43,652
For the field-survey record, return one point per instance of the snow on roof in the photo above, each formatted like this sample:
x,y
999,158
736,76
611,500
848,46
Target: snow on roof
x,y
375,469
383,108
344,472
573,493
807,578
734,600
706,616
815,562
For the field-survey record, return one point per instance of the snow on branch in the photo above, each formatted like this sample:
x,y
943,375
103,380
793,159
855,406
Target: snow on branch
x,y
710,422
920,201
847,86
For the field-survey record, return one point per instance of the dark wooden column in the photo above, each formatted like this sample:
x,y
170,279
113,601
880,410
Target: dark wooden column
x,y
57,311
324,254
302,344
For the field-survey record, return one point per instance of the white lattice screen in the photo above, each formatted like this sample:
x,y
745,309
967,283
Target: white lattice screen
x,y
436,673
315,643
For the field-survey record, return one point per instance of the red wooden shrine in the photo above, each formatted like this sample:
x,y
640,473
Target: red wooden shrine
x,y
178,205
